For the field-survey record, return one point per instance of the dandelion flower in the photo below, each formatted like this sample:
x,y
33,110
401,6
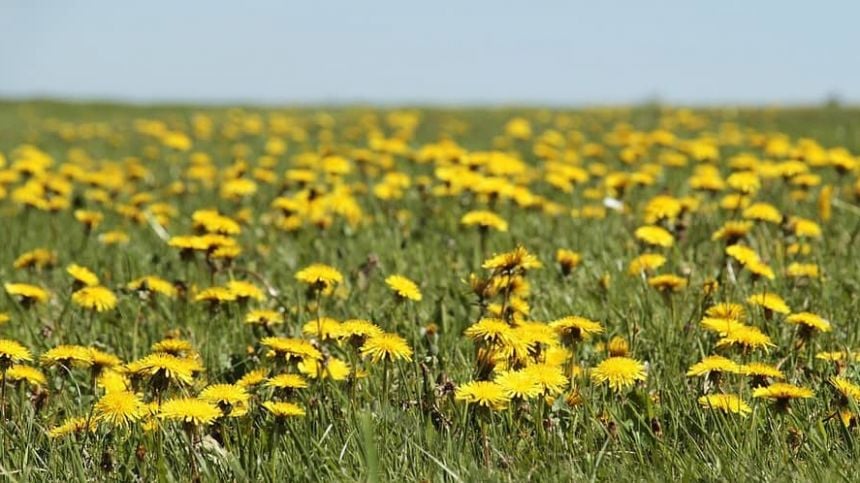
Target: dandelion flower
x,y
726,310
173,346
782,391
97,298
654,235
332,368
189,410
550,377
119,409
404,288
668,283
68,356
846,388
646,262
490,331
618,372
517,260
232,399
29,374
12,352
519,384
83,275
281,409
266,318
319,276
245,290
567,260
70,426
810,321
292,349
727,403
761,370
484,219
152,284
287,382
483,393
26,293
386,347
324,328
769,301
746,336
713,364
253,378
574,327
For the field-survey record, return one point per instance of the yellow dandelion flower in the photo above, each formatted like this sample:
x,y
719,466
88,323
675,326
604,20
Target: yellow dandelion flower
x,y
253,378
97,298
287,382
760,369
574,327
654,235
83,275
726,310
517,260
215,295
12,352
727,403
231,399
490,331
188,410
26,293
163,367
746,336
646,262
518,384
732,230
713,364
281,409
567,260
331,368
668,283
769,301
618,372
152,284
68,356
386,347
762,212
800,270
245,290
173,346
484,219
119,409
486,394
21,373
292,349
782,391
403,287
71,426
264,317
324,328
39,258
810,321
319,276
848,389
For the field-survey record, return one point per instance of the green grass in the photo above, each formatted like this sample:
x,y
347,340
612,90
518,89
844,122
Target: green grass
x,y
656,432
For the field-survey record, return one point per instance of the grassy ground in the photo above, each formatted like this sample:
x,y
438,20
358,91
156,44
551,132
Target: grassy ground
x,y
400,420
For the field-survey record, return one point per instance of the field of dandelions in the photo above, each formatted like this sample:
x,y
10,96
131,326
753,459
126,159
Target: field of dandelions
x,y
442,295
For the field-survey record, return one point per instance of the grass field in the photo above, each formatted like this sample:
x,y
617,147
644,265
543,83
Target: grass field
x,y
699,322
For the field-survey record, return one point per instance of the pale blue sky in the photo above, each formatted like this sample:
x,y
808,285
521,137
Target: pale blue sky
x,y
448,52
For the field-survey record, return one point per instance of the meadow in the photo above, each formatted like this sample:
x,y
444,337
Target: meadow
x,y
362,294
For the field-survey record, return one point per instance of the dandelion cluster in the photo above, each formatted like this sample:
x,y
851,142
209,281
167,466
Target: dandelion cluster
x,y
252,287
